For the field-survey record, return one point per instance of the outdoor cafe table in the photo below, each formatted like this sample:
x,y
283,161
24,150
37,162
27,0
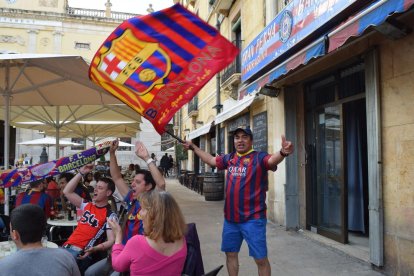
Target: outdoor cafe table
x,y
8,247
61,222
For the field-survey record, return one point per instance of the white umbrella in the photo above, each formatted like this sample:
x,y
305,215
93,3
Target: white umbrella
x,y
172,149
48,141
120,143
45,80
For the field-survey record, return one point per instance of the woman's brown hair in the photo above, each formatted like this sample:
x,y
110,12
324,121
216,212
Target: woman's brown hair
x,y
164,217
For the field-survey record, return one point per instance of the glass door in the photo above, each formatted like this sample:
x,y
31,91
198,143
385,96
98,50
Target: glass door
x,y
329,202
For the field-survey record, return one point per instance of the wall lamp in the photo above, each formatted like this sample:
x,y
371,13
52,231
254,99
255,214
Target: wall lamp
x,y
270,90
186,130
200,122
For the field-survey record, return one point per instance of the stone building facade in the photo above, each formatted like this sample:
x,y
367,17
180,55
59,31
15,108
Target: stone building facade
x,y
342,92
53,27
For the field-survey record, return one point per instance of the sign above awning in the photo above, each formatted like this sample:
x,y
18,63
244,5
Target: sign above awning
x,y
235,109
373,15
314,50
295,23
199,131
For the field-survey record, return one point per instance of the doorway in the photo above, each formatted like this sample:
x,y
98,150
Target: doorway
x,y
336,149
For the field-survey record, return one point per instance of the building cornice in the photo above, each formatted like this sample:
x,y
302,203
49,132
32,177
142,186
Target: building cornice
x,y
74,15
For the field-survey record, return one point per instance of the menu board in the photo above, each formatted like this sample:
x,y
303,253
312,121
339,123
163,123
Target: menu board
x,y
260,132
240,121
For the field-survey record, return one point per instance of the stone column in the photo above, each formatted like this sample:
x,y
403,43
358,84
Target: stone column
x,y
32,45
57,42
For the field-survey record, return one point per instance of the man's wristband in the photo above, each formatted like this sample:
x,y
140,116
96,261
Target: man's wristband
x,y
82,174
283,154
149,161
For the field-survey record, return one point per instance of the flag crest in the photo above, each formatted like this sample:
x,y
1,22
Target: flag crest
x,y
157,63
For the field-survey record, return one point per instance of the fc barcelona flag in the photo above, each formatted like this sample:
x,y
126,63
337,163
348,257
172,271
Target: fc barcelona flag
x,y
158,62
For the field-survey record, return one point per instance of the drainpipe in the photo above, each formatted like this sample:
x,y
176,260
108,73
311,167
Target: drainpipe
x,y
218,105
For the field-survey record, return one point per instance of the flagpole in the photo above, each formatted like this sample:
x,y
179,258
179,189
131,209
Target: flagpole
x,y
178,139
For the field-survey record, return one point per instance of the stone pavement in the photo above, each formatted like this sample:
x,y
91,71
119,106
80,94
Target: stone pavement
x,y
290,253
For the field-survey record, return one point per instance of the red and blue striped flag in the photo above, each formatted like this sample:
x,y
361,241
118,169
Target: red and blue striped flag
x,y
157,63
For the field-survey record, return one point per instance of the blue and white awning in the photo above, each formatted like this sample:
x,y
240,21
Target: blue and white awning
x,y
314,50
235,109
199,131
374,15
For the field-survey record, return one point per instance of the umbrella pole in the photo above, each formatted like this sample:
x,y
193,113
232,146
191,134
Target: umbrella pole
x,y
57,132
6,134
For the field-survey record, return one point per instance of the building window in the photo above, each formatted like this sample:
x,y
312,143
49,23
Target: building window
x,y
79,141
81,45
192,105
235,66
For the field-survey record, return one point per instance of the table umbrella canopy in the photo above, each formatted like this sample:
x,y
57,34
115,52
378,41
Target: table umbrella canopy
x,y
48,141
120,143
49,80
45,80
98,131
171,150
92,122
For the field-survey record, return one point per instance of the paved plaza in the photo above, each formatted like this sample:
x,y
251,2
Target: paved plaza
x,y
290,253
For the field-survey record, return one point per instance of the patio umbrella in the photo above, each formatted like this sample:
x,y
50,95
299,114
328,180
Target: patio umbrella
x,y
45,80
171,150
97,131
92,122
48,141
120,143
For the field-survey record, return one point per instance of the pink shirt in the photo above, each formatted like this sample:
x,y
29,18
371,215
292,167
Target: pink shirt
x,y
141,259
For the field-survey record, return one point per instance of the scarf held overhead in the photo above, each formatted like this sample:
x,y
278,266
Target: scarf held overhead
x,y
19,176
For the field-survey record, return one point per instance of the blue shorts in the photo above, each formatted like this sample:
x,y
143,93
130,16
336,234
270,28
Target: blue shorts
x,y
253,231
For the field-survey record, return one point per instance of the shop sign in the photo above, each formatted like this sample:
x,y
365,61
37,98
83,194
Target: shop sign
x,y
296,22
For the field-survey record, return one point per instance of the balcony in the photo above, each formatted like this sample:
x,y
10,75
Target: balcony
x,y
79,12
231,78
193,107
221,6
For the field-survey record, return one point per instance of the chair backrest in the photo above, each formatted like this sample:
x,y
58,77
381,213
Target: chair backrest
x,y
194,262
5,232
214,272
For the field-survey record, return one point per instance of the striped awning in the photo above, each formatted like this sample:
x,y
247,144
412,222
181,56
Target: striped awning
x,y
235,109
373,15
314,50
199,131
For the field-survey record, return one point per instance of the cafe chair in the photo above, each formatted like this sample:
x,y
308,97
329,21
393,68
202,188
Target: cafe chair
x,y
214,272
193,265
5,232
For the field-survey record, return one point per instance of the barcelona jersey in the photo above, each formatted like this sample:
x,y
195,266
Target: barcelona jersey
x,y
35,197
90,225
246,185
133,224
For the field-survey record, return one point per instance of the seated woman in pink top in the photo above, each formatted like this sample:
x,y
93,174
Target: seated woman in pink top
x,y
162,249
